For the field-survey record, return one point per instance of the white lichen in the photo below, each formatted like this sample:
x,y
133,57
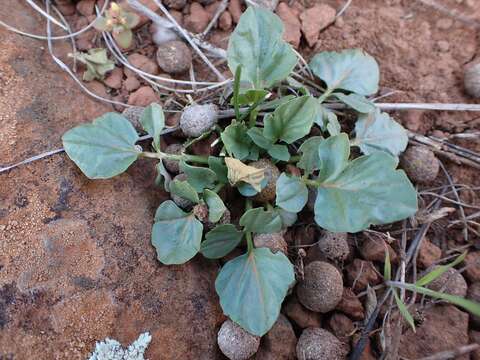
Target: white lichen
x,y
110,349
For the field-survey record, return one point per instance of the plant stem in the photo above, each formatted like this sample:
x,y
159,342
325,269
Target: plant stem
x,y
312,183
325,95
185,157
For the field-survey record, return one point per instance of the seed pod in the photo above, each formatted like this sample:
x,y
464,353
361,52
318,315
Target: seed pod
x,y
471,79
322,287
174,57
271,174
320,344
334,245
235,343
420,164
198,119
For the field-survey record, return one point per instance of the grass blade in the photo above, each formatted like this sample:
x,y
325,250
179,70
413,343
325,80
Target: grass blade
x,y
427,279
387,269
404,311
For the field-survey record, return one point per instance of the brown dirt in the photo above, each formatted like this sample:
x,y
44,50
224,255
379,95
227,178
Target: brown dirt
x,y
76,264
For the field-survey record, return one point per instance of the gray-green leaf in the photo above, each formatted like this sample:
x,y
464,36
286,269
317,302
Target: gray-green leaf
x,y
351,70
184,190
261,221
217,165
292,120
220,241
366,191
199,177
356,102
310,161
252,287
103,148
153,122
377,131
176,235
257,45
333,154
236,140
292,193
216,207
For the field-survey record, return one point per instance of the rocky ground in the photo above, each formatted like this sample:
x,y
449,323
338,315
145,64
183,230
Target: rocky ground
x,y
76,264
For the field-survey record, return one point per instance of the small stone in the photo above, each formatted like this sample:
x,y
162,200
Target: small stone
x,y
273,241
475,338
350,305
235,9
114,78
450,282
292,24
361,273
315,20
235,343
420,164
143,63
198,18
374,249
131,83
342,327
279,343
225,21
174,57
86,7
198,119
144,96
444,23
175,4
319,344
471,79
172,165
443,46
301,316
321,288
133,114
67,9
334,245
472,266
413,119
428,254
271,173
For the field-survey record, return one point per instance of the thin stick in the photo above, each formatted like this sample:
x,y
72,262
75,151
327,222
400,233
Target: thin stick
x,y
426,106
453,354
220,9
343,9
48,16
453,13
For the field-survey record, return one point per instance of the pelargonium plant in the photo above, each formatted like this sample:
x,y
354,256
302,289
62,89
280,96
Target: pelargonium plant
x,y
274,117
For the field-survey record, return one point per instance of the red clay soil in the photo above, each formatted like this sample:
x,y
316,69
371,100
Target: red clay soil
x,y
76,263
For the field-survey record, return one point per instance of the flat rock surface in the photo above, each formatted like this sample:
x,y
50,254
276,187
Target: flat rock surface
x,y
76,264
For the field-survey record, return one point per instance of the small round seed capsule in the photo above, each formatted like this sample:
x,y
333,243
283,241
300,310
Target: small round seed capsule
x,y
198,119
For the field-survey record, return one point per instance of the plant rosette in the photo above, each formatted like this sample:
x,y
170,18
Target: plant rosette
x,y
352,193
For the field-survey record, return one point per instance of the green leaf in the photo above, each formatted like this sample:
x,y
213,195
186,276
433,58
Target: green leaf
x,y
199,177
252,96
217,165
310,161
292,193
100,24
333,126
236,140
247,190
176,235
273,104
220,241
216,207
356,102
292,120
258,138
288,218
279,152
131,19
366,191
351,70
260,221
257,45
103,148
124,38
471,306
403,310
252,287
439,270
163,176
387,268
153,122
184,190
377,131
333,154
